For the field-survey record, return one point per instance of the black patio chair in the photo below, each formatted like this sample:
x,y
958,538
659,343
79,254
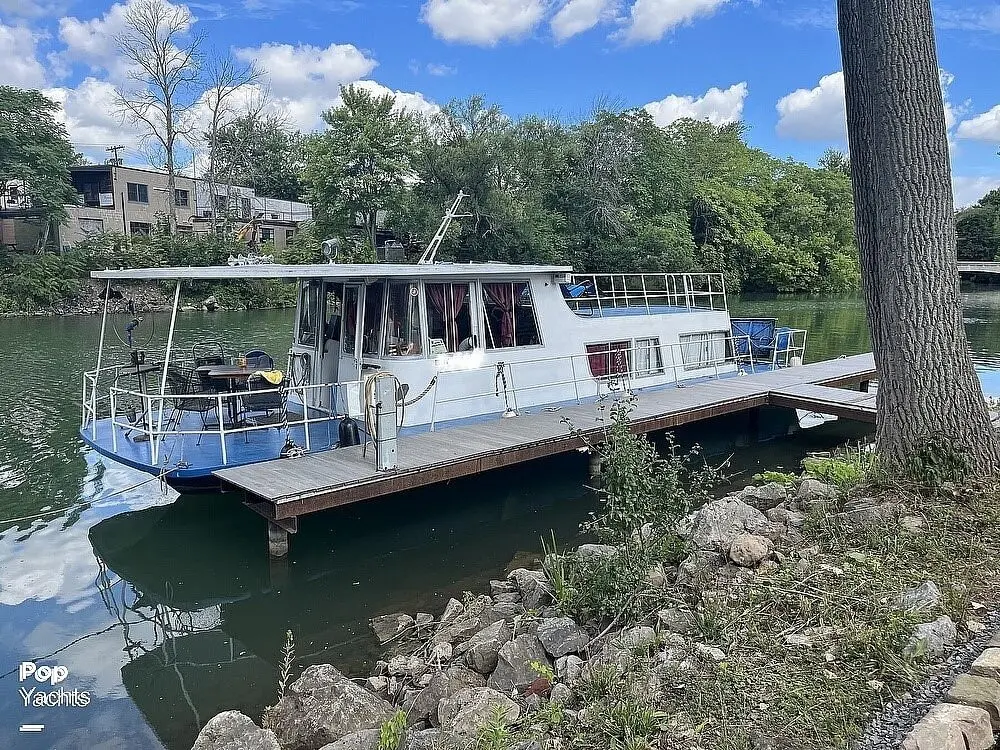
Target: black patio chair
x,y
258,359
263,398
184,381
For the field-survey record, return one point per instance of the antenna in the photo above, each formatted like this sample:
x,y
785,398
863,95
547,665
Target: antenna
x,y
115,160
435,243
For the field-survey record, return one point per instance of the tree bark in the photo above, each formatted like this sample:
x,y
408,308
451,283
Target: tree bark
x,y
904,216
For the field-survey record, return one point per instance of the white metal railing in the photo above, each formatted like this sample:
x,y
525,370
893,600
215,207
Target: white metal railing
x,y
652,292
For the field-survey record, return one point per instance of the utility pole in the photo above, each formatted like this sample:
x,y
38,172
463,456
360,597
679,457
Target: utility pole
x,y
115,161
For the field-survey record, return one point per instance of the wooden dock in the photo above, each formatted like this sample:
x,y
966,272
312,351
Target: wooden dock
x,y
284,489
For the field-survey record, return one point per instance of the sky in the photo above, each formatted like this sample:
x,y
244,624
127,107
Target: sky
x,y
774,64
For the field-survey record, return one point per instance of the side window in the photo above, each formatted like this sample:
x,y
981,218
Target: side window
x,y
402,325
449,319
370,329
308,313
332,310
648,358
509,315
350,319
700,350
609,359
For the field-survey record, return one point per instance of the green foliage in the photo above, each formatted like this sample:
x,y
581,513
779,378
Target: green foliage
x,y
495,734
29,282
938,461
780,477
287,661
392,732
622,712
543,670
978,229
845,469
261,153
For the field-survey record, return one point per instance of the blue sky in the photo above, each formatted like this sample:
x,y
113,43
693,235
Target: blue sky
x,y
772,63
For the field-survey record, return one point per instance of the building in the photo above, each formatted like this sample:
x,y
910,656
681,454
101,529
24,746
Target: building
x,y
132,200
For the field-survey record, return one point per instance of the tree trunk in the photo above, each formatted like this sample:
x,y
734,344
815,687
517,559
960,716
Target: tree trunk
x,y
171,176
904,216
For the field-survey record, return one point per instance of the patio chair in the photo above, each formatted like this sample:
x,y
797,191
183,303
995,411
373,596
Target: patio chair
x,y
183,381
264,398
258,359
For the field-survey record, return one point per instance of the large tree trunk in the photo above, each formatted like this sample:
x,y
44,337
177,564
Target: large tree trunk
x,y
904,215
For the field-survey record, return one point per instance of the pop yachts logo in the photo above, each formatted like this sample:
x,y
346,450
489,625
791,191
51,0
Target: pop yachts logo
x,y
37,697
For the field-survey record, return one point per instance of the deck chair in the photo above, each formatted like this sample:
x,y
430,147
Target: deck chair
x,y
183,381
264,399
258,359
754,337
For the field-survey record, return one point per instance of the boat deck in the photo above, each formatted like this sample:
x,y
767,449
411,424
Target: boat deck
x,y
288,488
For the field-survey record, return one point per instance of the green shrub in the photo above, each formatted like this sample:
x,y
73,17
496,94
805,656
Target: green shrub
x,y
845,469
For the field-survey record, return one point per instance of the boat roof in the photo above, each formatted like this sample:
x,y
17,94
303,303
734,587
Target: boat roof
x,y
331,271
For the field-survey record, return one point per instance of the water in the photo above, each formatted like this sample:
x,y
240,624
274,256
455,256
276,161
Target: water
x,y
166,610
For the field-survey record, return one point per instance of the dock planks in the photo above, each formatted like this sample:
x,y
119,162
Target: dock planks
x,y
287,488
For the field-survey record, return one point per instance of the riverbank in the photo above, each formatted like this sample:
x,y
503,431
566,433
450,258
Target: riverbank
x,y
795,614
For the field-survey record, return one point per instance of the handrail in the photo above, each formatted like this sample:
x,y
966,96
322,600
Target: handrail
x,y
688,291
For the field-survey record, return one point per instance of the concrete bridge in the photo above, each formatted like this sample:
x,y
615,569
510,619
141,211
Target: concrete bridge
x,y
970,266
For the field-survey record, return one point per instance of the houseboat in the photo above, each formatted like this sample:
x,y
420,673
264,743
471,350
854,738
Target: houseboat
x,y
460,342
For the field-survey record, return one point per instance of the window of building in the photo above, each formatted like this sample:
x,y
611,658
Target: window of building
x,y
648,358
185,228
221,204
372,322
609,359
266,234
182,198
700,350
509,315
140,228
449,318
137,192
309,313
402,324
245,208
289,233
91,226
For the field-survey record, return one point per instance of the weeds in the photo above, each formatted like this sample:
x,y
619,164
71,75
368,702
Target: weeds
x,y
495,734
392,732
780,477
846,469
284,675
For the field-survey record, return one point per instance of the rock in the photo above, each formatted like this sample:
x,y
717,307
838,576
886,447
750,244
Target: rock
x,y
749,550
378,685
639,637
322,706
514,598
867,513
677,620
232,730
406,666
434,739
561,695
534,587
392,627
931,639
476,616
595,552
816,496
424,622
468,710
700,568
810,637
442,685
922,598
657,577
514,669
766,496
569,669
719,522
451,611
441,652
978,692
211,304
951,727
912,524
710,653
367,739
503,587
793,519
507,611
482,650
987,664
561,636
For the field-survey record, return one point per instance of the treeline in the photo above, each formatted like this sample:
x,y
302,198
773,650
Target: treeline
x,y
978,229
613,192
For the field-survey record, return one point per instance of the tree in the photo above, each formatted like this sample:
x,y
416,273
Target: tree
x,y
259,151
362,163
930,403
164,64
35,154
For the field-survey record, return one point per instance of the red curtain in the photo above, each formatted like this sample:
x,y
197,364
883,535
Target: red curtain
x,y
502,295
448,307
608,359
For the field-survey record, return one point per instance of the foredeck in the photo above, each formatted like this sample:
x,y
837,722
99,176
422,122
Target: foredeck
x,y
287,488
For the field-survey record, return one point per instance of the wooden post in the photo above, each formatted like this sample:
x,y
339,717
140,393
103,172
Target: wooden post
x,y
595,465
277,540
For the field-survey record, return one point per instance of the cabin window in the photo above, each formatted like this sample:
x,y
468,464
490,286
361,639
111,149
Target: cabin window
x,y
308,313
700,350
648,358
371,327
332,310
449,319
402,323
609,359
350,318
509,315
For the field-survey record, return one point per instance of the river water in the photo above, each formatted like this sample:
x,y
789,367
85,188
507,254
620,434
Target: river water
x,y
166,611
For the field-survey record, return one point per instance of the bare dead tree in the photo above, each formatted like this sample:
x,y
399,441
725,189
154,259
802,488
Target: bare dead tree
x,y
227,79
929,399
164,69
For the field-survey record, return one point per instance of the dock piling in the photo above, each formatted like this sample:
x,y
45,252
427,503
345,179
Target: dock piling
x,y
277,540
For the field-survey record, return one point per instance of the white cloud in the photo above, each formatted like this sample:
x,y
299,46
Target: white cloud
x,y
21,67
90,113
716,105
968,190
817,114
577,16
982,127
482,22
413,101
439,69
649,20
31,8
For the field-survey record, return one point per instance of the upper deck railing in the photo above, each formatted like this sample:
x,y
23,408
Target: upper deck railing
x,y
648,293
